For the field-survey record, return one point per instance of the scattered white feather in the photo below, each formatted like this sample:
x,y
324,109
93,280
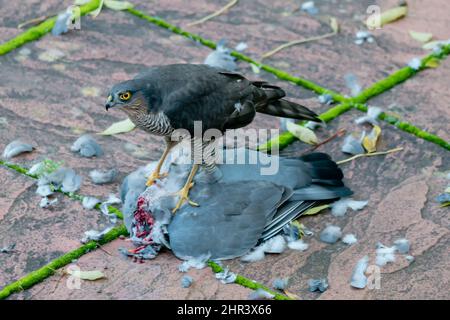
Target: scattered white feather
x,y
280,284
331,234
103,176
36,168
353,145
44,190
15,148
221,58
241,46
46,202
260,294
415,63
186,281
276,244
113,199
351,82
317,285
86,146
372,116
325,99
94,235
359,279
384,255
299,245
349,239
194,262
402,245
90,202
71,181
339,208
410,258
364,36
62,22
309,7
256,254
226,276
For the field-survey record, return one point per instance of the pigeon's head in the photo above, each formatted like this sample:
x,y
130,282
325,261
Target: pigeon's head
x,y
128,96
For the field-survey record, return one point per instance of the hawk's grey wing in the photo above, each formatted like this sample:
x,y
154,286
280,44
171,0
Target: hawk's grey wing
x,y
190,92
228,223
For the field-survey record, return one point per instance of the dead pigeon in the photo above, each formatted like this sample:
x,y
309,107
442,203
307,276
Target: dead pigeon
x,y
230,222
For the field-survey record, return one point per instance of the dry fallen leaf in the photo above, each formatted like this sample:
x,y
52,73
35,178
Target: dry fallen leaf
x,y
87,275
334,24
386,17
119,127
370,141
423,37
315,210
302,133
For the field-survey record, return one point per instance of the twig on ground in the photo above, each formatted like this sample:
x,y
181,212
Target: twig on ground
x,y
369,155
34,21
338,134
215,14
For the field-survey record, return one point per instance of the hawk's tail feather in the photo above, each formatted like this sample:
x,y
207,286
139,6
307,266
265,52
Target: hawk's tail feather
x,y
287,109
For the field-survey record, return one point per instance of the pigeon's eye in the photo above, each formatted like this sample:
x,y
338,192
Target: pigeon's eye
x,y
125,96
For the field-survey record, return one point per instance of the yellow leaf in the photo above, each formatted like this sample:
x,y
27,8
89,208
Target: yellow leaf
x,y
432,44
119,127
118,5
255,68
87,275
432,63
334,24
315,210
423,37
370,141
302,133
291,295
447,190
386,17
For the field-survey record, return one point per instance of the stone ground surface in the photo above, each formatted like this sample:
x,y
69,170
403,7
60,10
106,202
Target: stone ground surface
x,y
53,90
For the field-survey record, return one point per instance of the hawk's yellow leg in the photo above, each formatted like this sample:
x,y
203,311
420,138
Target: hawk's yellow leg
x,y
184,192
156,173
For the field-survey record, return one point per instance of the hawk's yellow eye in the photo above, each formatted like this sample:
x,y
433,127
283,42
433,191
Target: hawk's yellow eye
x,y
125,96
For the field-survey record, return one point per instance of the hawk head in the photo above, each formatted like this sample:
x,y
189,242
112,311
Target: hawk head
x,y
128,96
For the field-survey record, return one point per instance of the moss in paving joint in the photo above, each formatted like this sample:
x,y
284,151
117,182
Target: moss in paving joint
x,y
398,77
48,270
40,30
245,282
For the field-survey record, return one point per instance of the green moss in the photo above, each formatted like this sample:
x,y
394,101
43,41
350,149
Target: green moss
x,y
46,271
278,73
40,30
245,282
398,77
409,128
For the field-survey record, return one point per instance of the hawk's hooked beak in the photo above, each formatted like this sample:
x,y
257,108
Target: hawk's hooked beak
x,y
109,103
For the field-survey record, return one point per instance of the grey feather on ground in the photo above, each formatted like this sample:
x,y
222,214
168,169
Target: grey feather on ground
x,y
15,148
87,147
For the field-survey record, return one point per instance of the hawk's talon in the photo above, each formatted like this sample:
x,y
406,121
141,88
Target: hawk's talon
x,y
184,193
155,176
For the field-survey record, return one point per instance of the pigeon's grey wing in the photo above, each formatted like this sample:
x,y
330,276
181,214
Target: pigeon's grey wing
x,y
244,164
229,222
